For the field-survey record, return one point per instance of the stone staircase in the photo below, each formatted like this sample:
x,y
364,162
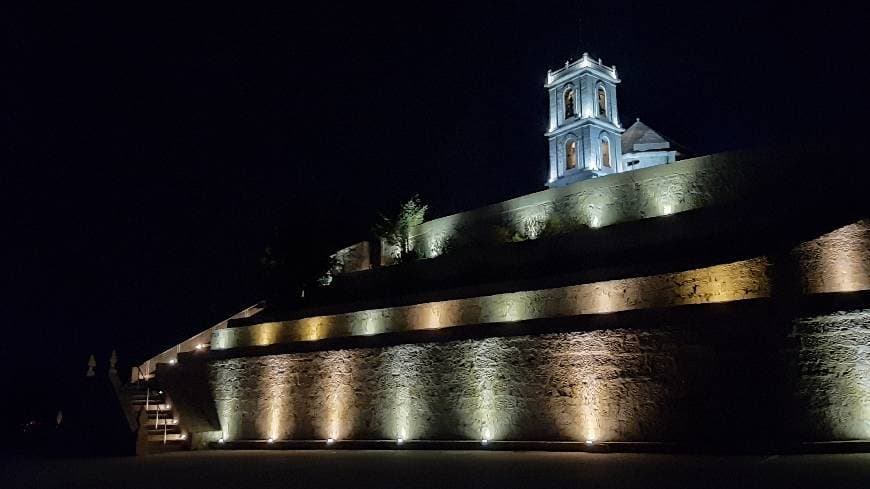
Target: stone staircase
x,y
159,428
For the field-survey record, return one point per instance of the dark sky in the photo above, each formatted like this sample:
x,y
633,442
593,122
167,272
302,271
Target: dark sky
x,y
150,152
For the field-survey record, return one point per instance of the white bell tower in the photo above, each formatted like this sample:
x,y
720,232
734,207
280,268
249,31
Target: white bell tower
x,y
584,130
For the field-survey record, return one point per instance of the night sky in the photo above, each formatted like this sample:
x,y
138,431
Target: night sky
x,y
151,153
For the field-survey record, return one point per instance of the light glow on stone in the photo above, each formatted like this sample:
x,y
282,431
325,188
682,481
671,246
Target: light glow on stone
x,y
373,322
590,417
330,441
227,407
274,416
311,328
277,399
401,369
838,261
533,222
747,279
271,440
595,222
487,358
399,441
172,361
837,343
221,440
337,385
265,334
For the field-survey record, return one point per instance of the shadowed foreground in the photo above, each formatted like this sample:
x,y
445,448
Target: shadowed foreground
x,y
321,469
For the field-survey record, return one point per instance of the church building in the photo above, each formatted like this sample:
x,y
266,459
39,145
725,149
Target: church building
x,y
585,135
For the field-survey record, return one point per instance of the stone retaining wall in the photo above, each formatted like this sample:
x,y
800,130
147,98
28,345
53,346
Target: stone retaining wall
x,y
720,283
710,377
658,191
696,382
838,261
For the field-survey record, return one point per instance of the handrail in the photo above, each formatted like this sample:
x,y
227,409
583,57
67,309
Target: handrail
x,y
146,369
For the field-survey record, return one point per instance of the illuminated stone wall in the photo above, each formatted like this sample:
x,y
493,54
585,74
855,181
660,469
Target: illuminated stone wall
x,y
719,283
832,394
836,262
755,374
598,385
683,382
666,189
354,258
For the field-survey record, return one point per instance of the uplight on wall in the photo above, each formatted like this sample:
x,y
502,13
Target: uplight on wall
x,y
399,441
595,222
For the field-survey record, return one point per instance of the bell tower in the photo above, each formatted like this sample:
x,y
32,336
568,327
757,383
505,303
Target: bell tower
x,y
584,130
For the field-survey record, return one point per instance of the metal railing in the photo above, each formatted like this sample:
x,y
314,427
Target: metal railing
x,y
146,370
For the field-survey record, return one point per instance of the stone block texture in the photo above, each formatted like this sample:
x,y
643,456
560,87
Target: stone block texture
x,y
651,192
832,367
745,279
682,382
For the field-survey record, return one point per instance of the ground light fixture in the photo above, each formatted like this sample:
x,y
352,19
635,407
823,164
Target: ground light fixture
x,y
221,440
172,361
330,441
590,442
484,442
399,441
271,440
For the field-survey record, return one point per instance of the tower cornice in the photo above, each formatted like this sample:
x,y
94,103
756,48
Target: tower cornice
x,y
584,121
584,64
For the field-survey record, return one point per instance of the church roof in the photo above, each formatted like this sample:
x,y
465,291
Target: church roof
x,y
640,137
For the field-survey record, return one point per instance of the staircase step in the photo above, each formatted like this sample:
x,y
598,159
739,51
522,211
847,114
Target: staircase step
x,y
171,430
152,393
176,437
167,420
159,407
142,402
161,414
